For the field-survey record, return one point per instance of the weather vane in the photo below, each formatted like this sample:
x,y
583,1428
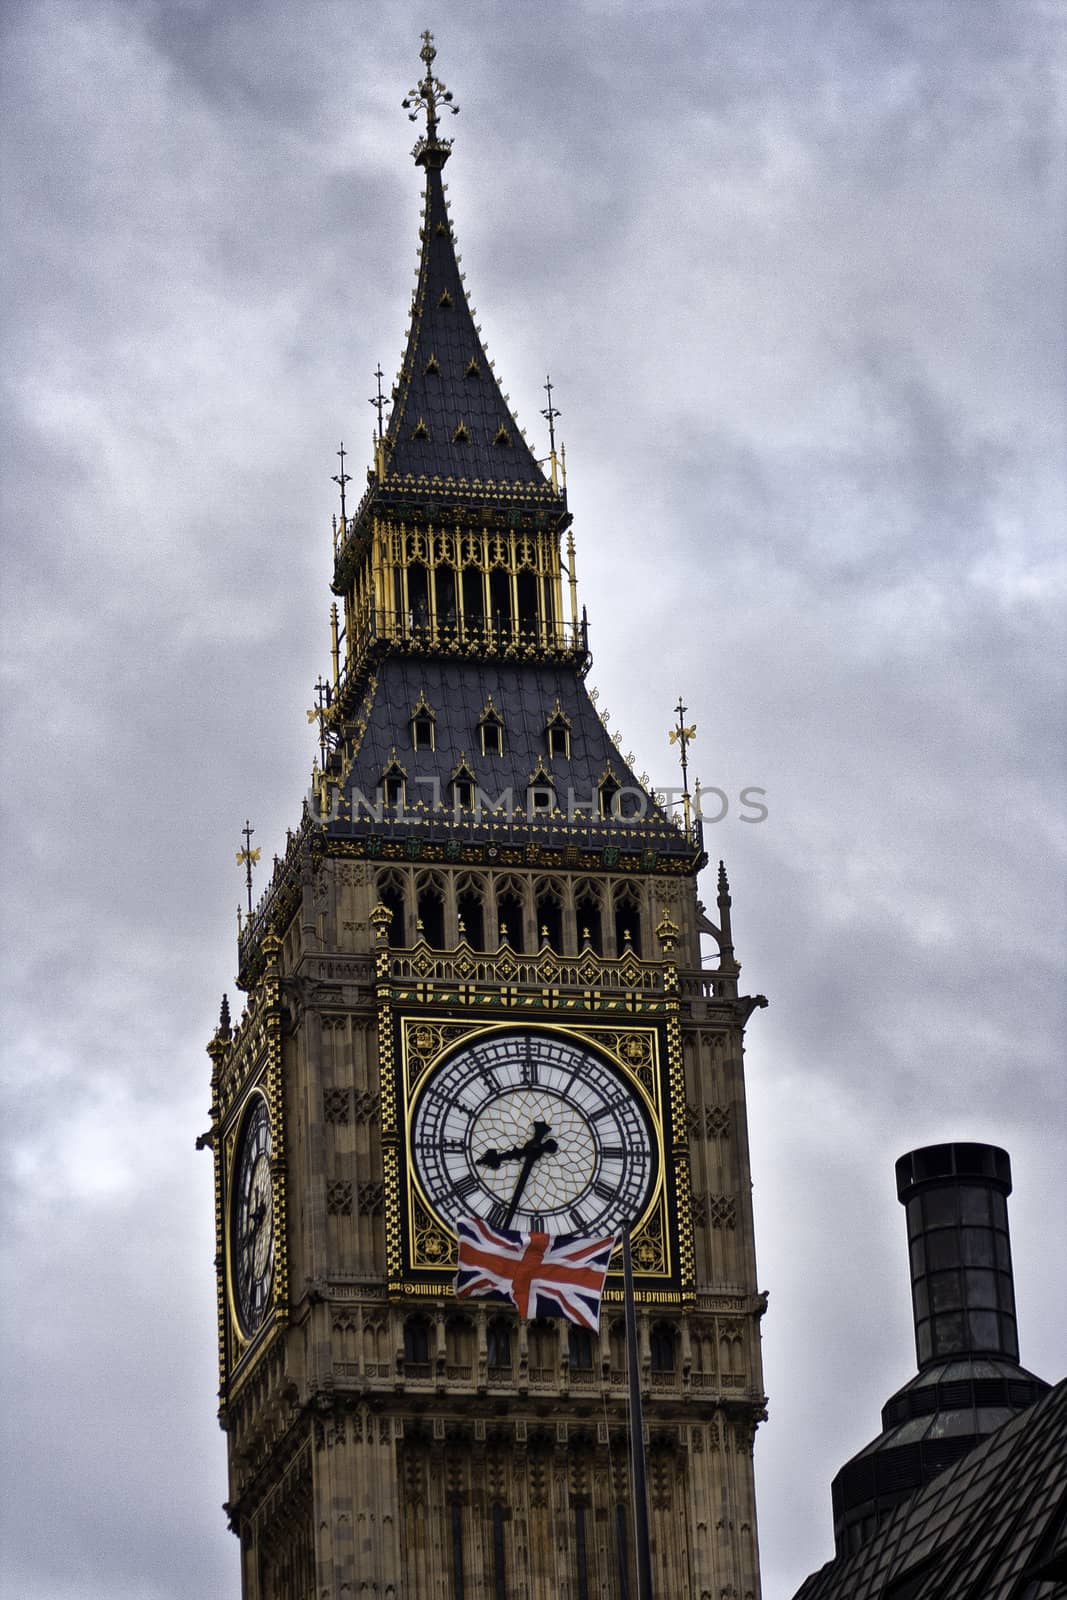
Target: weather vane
x,y
247,858
683,736
341,478
429,93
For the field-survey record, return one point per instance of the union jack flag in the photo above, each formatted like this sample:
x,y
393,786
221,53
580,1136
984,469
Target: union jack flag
x,y
542,1276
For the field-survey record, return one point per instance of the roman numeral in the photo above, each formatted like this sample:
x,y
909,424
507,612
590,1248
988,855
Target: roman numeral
x,y
466,1186
604,1190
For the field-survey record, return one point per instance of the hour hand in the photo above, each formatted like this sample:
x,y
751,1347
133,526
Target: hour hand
x,y
496,1158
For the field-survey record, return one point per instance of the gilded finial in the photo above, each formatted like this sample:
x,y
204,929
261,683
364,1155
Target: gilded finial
x,y
224,1017
550,413
430,151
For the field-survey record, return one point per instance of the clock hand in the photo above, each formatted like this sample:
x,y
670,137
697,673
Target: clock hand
x,y
534,1147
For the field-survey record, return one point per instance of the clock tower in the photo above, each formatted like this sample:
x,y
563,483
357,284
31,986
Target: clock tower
x,y
474,987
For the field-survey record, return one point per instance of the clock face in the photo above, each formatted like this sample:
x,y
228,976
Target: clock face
x,y
534,1132
252,1219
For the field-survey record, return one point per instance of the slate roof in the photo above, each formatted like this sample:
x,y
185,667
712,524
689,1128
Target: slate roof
x,y
992,1527
446,384
525,696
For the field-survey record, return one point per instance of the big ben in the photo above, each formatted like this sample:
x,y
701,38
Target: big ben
x,y
473,987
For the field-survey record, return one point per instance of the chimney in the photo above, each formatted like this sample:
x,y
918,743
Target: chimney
x,y
955,1197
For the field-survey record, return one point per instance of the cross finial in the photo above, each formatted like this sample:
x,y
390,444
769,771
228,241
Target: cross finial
x,y
247,858
341,478
378,400
429,94
683,736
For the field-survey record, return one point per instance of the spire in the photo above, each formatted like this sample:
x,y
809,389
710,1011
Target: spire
x,y
450,419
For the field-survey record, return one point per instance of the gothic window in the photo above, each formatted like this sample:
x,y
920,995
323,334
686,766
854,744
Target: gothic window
x,y
418,597
431,913
470,907
459,1347
540,792
491,729
422,720
550,915
391,894
627,920
393,783
588,917
558,734
544,1348
509,905
606,793
526,587
580,1348
617,1349
417,1341
473,601
445,592
662,1347
498,1340
500,601
463,785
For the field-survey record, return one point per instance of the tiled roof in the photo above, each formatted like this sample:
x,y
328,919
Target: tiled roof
x,y
992,1527
450,419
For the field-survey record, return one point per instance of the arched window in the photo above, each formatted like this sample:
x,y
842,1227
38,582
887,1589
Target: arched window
x,y
550,915
390,888
588,915
509,905
417,1341
459,1347
470,907
662,1347
617,1350
463,785
498,1343
431,912
627,920
544,1349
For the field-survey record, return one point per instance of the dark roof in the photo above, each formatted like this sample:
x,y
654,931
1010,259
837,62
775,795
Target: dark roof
x,y
446,385
995,1524
525,697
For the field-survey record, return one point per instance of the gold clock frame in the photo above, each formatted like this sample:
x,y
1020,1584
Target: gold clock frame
x,y
421,1248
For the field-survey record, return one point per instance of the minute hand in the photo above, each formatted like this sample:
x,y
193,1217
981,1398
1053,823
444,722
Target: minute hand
x,y
538,1145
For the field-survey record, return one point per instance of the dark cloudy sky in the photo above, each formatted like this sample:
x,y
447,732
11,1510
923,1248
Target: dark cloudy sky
x,y
797,270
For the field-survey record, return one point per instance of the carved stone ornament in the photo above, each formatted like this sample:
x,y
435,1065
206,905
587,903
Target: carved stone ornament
x,y
336,1104
339,1197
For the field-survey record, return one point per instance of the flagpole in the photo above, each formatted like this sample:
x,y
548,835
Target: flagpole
x,y
642,1549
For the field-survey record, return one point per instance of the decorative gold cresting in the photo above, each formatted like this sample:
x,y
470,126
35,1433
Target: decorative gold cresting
x,y
430,151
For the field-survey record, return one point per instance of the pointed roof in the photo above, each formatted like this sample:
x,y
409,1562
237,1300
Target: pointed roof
x,y
450,419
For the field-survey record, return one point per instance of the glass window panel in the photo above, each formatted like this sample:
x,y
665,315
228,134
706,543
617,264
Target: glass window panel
x,y
985,1329
976,1247
942,1248
924,1341
918,1257
921,1298
1002,1249
945,1292
974,1204
1005,1292
1000,1210
913,1212
981,1287
948,1333
939,1207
